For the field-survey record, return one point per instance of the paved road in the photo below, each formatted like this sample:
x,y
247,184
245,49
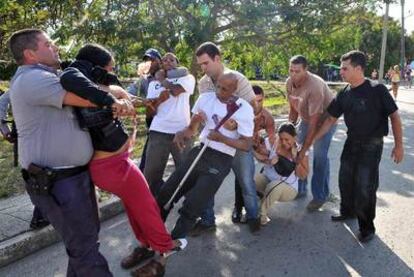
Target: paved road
x,y
295,243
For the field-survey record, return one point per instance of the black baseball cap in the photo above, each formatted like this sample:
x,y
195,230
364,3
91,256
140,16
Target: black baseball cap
x,y
152,54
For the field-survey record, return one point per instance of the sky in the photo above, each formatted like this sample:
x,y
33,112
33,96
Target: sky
x,y
395,12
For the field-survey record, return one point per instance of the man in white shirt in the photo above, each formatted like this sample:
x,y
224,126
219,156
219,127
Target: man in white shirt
x,y
172,115
215,163
209,58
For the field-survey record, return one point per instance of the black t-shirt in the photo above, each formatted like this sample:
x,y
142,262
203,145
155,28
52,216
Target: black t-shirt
x,y
366,109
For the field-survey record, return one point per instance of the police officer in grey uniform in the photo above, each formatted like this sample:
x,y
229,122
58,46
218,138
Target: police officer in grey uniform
x,y
54,151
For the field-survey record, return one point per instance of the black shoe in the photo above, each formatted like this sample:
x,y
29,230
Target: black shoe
x,y
200,229
341,217
254,225
365,237
38,223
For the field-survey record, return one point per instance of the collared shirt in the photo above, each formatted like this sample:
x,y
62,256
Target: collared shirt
x,y
244,88
49,134
312,97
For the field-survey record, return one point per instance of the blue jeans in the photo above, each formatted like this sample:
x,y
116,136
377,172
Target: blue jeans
x,y
243,168
320,165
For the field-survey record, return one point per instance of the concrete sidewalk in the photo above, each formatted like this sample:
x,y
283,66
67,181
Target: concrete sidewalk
x,y
17,240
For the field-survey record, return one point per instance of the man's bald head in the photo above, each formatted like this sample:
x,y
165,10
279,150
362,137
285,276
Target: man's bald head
x,y
226,86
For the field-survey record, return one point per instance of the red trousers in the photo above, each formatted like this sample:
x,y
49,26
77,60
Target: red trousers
x,y
120,176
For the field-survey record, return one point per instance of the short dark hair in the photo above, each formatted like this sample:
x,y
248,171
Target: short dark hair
x,y
287,127
208,48
95,54
22,40
299,59
356,58
258,90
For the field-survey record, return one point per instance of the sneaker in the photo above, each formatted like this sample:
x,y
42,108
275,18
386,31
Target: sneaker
x,y
254,225
201,228
314,205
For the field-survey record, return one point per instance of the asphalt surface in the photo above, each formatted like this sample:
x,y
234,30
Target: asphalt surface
x,y
294,243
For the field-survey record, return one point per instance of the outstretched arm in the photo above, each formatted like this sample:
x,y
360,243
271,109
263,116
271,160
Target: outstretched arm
x,y
184,135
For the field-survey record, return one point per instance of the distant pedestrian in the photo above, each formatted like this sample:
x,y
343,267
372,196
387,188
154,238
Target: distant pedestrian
x,y
408,76
395,80
374,74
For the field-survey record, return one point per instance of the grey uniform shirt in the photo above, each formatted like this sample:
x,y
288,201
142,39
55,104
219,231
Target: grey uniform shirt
x,y
244,88
49,134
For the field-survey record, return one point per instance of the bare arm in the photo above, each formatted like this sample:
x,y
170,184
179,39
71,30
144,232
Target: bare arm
x,y
293,114
312,129
184,135
117,91
398,150
302,168
270,127
175,89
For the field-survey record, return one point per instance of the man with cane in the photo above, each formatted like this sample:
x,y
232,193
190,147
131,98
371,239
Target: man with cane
x,y
232,121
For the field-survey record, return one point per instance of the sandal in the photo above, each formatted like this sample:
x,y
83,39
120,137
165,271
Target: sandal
x,y
137,256
151,269
182,244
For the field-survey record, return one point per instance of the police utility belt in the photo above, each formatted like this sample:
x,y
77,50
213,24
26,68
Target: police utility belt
x,y
40,180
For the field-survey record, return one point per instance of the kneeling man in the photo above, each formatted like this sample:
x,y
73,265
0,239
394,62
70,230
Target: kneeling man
x,y
215,163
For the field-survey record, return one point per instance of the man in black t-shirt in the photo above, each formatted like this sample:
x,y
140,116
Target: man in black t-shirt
x,y
366,107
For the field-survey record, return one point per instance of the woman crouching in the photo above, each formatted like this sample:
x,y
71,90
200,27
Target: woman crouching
x,y
278,179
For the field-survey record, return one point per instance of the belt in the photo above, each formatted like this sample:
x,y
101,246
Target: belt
x,y
375,140
59,174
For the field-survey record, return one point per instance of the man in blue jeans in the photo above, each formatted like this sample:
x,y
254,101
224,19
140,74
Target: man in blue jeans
x,y
366,107
309,97
209,58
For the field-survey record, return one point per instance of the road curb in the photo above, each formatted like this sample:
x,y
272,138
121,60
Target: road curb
x,y
29,242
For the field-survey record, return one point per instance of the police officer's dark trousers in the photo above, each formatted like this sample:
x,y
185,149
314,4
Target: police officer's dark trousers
x,y
72,211
358,180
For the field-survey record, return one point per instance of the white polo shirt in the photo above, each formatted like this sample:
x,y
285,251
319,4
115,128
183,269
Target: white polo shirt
x,y
212,106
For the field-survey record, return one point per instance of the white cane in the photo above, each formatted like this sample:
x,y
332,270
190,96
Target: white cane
x,y
232,107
